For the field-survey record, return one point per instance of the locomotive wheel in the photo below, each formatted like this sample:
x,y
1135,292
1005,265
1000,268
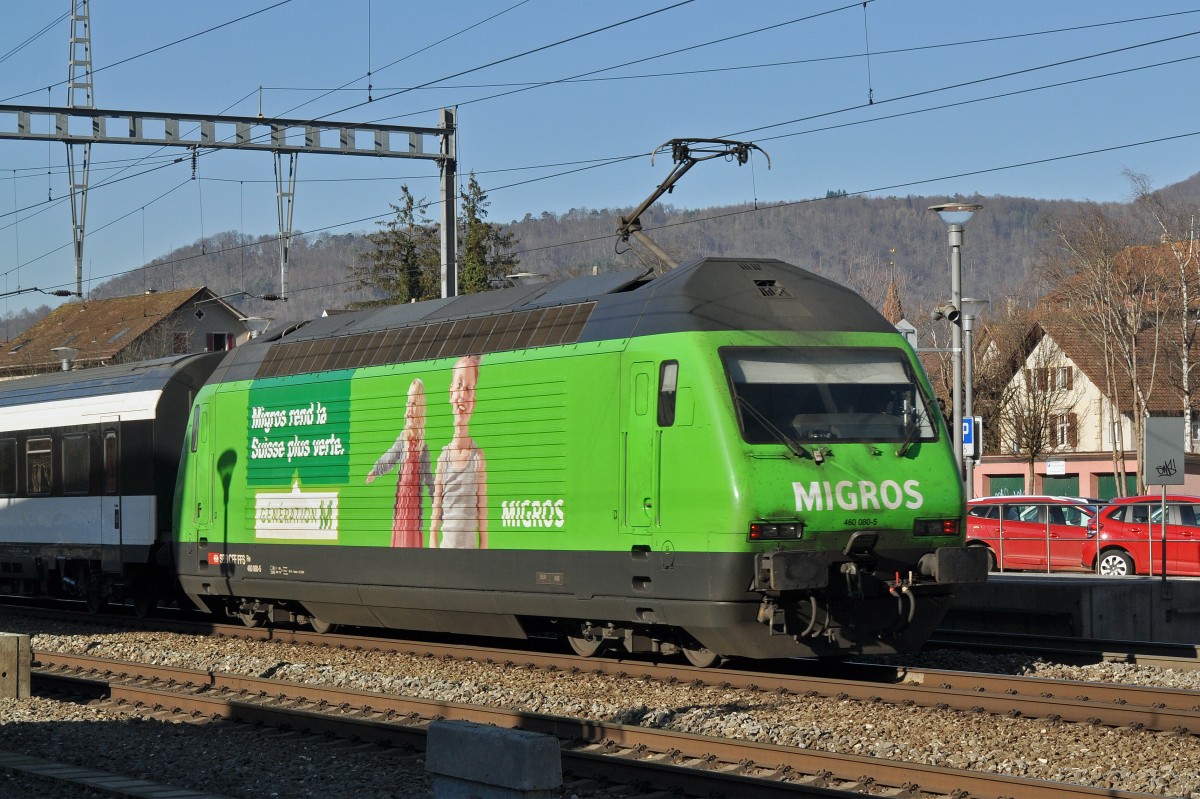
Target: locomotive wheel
x,y
700,657
585,647
321,627
144,604
96,602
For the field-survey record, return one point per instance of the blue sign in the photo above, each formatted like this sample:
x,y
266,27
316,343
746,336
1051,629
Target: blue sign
x,y
968,436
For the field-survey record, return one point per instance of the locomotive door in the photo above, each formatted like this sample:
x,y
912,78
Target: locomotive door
x,y
200,463
639,451
110,497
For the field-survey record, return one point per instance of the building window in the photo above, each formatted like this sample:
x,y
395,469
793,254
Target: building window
x,y
217,342
1054,378
1064,431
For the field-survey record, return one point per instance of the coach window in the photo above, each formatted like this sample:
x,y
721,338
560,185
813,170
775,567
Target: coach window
x,y
38,459
75,463
668,382
110,461
8,466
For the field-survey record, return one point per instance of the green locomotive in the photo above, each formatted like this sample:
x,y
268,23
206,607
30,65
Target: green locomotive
x,y
738,458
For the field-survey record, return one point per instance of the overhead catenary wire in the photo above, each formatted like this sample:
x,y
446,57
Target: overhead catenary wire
x,y
681,223
617,159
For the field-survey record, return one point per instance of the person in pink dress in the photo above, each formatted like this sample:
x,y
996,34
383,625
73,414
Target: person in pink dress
x,y
410,454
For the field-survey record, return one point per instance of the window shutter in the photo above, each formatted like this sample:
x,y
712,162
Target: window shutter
x,y
1072,432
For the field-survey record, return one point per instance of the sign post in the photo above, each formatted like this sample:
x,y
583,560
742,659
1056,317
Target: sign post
x,y
1163,465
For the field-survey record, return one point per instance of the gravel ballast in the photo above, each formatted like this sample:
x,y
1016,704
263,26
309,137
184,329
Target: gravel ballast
x,y
244,763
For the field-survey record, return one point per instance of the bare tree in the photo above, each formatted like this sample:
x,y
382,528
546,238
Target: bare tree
x,y
1036,410
1004,341
1121,302
1177,236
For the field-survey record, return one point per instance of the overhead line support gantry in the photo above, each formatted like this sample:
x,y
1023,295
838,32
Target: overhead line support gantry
x,y
290,137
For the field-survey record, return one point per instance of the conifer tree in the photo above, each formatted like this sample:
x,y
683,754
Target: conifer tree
x,y
486,247
405,263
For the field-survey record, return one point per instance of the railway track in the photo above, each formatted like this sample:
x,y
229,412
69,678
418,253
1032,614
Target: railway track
x,y
668,760
1113,705
1141,653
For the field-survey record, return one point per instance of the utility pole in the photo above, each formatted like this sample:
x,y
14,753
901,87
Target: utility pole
x,y
449,187
79,95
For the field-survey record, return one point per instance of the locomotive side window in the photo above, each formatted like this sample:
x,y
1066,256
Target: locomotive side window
x,y
668,381
75,461
8,466
826,393
38,459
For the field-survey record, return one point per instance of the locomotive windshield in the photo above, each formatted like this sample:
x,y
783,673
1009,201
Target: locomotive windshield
x,y
821,394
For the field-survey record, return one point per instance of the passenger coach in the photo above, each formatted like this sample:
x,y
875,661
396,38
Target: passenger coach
x,y
87,469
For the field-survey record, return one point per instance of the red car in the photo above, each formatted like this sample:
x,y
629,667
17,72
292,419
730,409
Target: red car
x,y
1029,532
1129,537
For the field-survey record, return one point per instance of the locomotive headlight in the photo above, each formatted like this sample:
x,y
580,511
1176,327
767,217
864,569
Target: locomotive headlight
x,y
775,531
936,527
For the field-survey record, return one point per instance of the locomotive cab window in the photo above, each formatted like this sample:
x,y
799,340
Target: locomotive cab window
x,y
828,393
38,459
8,466
75,452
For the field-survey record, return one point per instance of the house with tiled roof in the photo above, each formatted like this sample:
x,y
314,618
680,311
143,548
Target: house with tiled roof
x,y
88,333
1091,429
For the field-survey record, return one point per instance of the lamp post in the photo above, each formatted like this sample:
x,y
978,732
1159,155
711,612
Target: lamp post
x,y
955,215
971,308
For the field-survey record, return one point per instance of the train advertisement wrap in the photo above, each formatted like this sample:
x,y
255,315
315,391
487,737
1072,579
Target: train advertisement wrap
x,y
492,452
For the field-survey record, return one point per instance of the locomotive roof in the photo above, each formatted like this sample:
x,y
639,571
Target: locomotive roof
x,y
709,294
105,380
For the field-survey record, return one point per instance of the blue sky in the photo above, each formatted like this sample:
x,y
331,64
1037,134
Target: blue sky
x,y
1039,98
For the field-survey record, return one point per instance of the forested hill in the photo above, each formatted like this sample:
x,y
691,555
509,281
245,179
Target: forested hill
x,y
852,239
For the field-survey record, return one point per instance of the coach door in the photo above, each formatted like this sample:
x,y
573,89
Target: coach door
x,y
639,450
110,498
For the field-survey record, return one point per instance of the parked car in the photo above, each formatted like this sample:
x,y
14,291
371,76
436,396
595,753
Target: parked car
x,y
1129,535
1029,532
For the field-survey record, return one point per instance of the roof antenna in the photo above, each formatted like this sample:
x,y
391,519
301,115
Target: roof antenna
x,y
686,153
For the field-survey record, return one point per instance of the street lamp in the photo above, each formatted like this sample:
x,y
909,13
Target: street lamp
x,y
955,215
971,308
